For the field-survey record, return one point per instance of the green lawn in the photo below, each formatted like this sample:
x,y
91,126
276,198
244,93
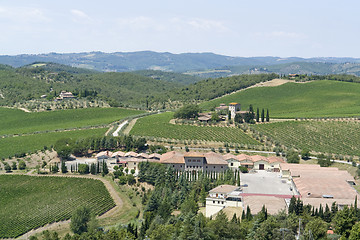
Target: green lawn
x,y
294,100
29,202
14,121
320,136
158,126
11,145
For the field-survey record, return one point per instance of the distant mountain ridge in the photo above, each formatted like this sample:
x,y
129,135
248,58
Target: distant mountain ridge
x,y
148,60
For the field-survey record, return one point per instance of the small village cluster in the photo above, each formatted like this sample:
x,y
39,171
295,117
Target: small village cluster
x,y
270,181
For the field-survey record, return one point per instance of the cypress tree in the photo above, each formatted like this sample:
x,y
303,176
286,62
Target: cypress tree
x,y
238,178
267,115
243,217
292,205
248,213
257,115
262,115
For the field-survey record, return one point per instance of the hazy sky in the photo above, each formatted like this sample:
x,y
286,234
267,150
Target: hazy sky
x,y
286,28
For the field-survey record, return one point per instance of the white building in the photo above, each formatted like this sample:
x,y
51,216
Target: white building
x,y
221,197
233,108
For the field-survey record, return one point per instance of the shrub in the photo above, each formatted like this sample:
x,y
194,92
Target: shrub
x,y
22,165
243,169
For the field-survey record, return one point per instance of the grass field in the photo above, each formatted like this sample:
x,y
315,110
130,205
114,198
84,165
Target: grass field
x,y
320,136
158,126
295,100
14,121
11,145
28,202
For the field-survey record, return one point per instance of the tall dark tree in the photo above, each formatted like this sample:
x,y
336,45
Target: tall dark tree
x,y
262,115
257,115
267,115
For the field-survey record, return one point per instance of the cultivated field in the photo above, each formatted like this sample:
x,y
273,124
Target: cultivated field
x,y
299,100
28,202
30,143
158,126
320,136
14,121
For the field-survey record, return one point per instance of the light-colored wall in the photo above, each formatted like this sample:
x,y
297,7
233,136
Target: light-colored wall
x,y
235,164
266,165
213,206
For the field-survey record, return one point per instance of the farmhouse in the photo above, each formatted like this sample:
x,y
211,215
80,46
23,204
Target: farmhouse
x,y
66,95
234,108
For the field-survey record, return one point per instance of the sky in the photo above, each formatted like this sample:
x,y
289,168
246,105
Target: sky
x,y
283,28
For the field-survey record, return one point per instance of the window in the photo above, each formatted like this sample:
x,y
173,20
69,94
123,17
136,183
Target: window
x,y
134,163
231,164
189,160
198,160
214,202
173,165
214,166
206,166
218,202
222,202
221,166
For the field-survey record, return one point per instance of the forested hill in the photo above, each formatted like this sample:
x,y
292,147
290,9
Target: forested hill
x,y
148,60
119,89
156,89
169,76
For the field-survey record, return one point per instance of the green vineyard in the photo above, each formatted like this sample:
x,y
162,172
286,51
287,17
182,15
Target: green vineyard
x,y
158,126
321,136
28,202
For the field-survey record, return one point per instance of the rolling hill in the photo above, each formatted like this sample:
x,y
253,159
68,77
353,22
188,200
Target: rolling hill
x,y
299,100
148,60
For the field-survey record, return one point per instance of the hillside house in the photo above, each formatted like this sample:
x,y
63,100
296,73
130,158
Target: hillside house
x,y
234,108
66,95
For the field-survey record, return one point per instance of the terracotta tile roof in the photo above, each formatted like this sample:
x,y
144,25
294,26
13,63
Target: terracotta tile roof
x,y
215,159
118,153
242,157
233,103
193,154
256,158
155,155
143,155
230,156
172,157
273,159
224,189
131,154
104,153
